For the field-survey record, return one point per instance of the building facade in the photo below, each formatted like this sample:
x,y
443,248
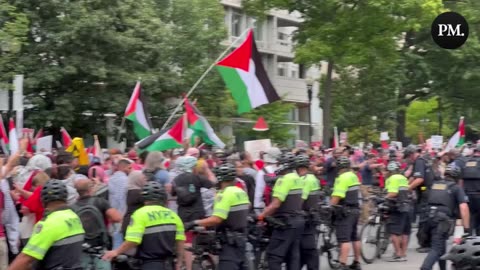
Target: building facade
x,y
273,36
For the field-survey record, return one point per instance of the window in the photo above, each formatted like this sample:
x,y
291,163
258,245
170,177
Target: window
x,y
281,70
282,36
236,24
257,28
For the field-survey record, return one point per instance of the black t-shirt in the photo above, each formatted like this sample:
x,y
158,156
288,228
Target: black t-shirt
x,y
195,210
101,204
423,170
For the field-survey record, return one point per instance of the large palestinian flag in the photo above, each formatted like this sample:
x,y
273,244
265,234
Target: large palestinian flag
x,y
165,139
137,113
244,74
458,138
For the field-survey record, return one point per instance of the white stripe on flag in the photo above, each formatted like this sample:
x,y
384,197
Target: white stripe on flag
x,y
141,117
255,90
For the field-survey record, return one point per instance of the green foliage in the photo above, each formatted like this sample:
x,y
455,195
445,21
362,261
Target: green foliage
x,y
13,33
275,115
85,56
423,119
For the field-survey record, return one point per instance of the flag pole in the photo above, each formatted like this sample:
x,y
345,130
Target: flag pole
x,y
203,77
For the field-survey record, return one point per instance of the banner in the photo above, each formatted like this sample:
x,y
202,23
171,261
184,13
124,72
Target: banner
x,y
256,146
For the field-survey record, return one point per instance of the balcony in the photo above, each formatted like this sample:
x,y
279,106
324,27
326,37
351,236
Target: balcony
x,y
232,3
291,89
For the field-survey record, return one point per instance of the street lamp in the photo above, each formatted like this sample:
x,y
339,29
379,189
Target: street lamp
x,y
309,93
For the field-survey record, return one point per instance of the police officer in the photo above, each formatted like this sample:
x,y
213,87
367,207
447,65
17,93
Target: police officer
x,y
156,231
445,199
286,205
471,185
59,233
311,196
230,212
420,181
346,194
398,225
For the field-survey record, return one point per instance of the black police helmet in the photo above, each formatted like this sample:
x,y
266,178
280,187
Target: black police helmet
x,y
343,163
393,166
153,191
225,172
302,161
54,190
453,171
466,255
287,160
411,149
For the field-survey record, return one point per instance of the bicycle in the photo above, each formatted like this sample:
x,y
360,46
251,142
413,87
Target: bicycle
x,y
95,254
205,244
327,241
374,231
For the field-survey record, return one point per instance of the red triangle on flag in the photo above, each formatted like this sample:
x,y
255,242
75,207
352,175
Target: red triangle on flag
x,y
240,57
261,125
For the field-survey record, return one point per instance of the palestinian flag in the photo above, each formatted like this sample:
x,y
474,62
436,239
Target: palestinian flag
x,y
199,126
66,139
458,138
137,113
165,139
244,74
12,137
3,137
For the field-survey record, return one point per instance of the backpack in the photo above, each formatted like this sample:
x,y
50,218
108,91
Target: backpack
x,y
96,233
270,179
187,195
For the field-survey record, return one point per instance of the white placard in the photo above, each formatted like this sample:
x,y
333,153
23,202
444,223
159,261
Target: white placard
x,y
254,147
343,137
44,144
437,141
384,136
300,144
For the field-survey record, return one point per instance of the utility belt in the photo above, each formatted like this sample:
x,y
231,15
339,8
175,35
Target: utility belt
x,y
342,211
233,238
399,207
285,217
446,224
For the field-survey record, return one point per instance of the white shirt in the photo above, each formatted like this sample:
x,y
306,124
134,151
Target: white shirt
x,y
260,186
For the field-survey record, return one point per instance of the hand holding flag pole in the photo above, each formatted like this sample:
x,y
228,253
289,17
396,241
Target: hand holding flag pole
x,y
203,77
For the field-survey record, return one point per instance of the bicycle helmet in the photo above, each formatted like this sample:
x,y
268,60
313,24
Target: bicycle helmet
x,y
225,172
54,190
153,191
393,166
287,160
411,149
302,161
453,171
343,163
466,255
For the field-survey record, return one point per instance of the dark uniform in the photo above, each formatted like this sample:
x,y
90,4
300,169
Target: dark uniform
x,y
422,169
443,202
347,188
284,244
399,218
308,247
155,229
58,234
471,185
232,205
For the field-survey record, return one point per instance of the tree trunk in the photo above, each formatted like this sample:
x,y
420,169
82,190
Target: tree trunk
x,y
401,123
327,106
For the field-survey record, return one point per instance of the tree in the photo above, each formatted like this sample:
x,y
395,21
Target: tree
x,y
85,56
349,33
13,32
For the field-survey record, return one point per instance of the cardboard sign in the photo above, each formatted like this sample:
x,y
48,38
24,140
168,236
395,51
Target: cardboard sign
x,y
44,144
301,144
437,141
256,146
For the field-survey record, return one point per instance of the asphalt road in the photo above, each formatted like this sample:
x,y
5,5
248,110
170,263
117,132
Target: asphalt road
x,y
414,259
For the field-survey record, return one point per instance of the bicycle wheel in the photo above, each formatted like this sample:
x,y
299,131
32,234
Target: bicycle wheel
x,y
369,239
332,248
383,240
261,260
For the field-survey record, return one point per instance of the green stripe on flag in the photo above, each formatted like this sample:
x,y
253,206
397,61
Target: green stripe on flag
x,y
138,128
238,88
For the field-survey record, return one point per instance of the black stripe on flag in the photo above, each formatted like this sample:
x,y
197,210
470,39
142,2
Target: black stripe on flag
x,y
262,76
151,139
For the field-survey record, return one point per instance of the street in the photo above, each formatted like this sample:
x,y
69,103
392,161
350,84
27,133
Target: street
x,y
414,259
